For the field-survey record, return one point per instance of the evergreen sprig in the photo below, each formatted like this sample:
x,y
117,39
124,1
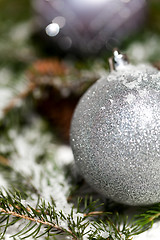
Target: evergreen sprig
x,y
148,217
45,216
45,220
13,210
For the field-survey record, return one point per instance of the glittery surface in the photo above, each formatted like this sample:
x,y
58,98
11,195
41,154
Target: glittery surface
x,y
115,135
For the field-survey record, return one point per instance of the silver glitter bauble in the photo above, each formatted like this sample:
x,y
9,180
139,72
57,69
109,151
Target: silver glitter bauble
x,y
87,26
115,135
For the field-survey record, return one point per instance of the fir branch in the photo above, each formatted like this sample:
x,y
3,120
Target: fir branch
x,y
11,205
146,220
96,213
14,214
155,216
45,215
13,210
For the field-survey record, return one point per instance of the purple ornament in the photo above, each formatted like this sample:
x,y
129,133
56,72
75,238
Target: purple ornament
x,y
89,25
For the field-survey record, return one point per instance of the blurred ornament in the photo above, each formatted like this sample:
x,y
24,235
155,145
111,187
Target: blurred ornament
x,y
89,25
115,134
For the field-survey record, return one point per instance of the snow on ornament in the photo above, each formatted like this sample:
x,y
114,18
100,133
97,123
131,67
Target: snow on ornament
x,y
87,26
115,133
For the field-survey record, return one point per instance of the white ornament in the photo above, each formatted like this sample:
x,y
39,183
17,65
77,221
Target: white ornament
x,y
115,134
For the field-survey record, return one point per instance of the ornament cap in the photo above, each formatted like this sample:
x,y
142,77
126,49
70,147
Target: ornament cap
x,y
118,60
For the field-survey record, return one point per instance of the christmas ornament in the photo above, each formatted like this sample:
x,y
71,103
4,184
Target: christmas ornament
x,y
89,25
115,133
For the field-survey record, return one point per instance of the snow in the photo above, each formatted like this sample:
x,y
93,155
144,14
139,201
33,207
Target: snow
x,y
151,234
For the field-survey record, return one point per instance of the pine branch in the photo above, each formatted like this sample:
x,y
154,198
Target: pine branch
x,y
97,213
42,222
146,220
14,214
155,216
12,210
45,215
11,206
